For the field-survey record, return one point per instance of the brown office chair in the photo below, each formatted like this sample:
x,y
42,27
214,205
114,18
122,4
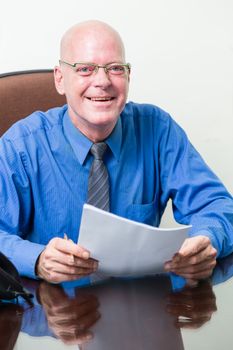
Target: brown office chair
x,y
24,92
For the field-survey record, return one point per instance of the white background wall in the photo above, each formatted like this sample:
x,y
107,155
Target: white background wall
x,y
181,53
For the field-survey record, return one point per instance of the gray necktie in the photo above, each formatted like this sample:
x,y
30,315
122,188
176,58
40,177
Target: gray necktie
x,y
98,183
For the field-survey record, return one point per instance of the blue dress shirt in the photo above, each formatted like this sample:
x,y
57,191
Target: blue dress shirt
x,y
44,168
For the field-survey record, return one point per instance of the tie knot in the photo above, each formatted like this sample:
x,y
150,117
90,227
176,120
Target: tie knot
x,y
98,149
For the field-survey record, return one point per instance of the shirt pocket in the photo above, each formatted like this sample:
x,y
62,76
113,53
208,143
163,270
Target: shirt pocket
x,y
145,213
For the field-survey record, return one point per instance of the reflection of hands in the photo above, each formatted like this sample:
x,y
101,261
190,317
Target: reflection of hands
x,y
192,307
69,319
63,260
195,260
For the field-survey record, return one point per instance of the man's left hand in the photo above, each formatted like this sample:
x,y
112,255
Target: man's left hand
x,y
195,260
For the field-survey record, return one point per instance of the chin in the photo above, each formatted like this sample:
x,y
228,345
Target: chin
x,y
104,120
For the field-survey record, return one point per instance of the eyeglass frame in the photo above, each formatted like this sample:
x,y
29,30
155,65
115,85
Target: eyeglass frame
x,y
97,66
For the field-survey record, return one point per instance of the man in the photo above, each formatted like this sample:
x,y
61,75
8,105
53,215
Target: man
x,y
45,161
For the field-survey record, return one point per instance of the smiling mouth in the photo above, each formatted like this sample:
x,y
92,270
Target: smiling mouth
x,y
100,99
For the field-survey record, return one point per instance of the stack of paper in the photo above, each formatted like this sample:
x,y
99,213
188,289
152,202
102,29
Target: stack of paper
x,y
127,248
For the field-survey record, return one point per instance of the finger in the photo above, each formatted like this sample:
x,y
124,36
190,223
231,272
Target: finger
x,y
187,323
72,270
77,325
57,277
194,268
54,255
74,330
89,264
75,338
190,268
187,266
51,255
49,269
204,260
200,304
193,245
192,298
192,313
206,254
69,247
193,276
87,320
48,293
74,309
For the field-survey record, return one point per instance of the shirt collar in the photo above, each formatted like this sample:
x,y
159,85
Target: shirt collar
x,y
115,138
81,144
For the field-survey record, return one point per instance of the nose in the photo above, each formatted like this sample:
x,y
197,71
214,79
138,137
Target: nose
x,y
101,78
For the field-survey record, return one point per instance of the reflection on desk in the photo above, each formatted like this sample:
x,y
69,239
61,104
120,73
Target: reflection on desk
x,y
10,325
119,314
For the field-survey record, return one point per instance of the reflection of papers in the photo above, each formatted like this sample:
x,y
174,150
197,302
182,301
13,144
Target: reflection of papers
x,y
133,315
125,247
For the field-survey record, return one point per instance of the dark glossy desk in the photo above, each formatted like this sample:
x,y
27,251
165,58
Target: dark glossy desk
x,y
123,314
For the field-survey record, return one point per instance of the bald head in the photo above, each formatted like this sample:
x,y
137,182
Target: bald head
x,y
95,98
86,32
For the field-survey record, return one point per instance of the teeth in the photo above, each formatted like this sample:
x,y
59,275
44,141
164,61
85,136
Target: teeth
x,y
101,98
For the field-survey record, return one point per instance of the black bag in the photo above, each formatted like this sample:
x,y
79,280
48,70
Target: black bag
x,y
10,283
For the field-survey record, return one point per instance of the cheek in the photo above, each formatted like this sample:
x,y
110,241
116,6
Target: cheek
x,y
123,90
76,87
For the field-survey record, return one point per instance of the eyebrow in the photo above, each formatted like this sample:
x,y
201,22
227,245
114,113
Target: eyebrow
x,y
106,64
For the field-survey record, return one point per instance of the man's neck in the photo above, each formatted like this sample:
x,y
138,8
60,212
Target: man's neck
x,y
92,132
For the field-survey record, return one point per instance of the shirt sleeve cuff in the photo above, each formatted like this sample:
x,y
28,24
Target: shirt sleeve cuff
x,y
26,261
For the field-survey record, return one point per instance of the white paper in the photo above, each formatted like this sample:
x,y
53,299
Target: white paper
x,y
127,248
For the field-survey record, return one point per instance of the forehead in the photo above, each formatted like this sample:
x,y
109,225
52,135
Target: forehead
x,y
99,46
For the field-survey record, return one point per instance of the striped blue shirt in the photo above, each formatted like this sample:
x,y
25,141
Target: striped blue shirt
x,y
44,168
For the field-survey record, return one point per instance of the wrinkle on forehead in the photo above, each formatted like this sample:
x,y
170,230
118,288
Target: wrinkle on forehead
x,y
89,30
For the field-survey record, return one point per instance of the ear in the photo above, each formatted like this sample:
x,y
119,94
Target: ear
x,y
129,76
129,73
58,80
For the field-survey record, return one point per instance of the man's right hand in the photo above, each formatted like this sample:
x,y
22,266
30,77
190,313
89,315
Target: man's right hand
x,y
63,260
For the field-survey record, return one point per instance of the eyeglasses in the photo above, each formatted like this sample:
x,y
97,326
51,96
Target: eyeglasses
x,y
86,69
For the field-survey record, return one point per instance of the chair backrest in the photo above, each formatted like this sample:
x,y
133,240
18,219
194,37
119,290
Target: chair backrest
x,y
24,92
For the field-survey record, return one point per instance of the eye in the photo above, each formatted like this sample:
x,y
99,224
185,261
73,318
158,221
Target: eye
x,y
85,69
116,69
